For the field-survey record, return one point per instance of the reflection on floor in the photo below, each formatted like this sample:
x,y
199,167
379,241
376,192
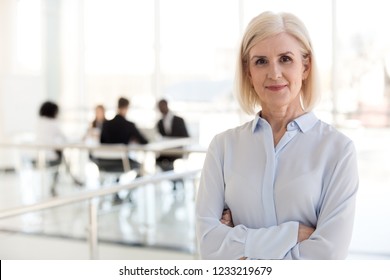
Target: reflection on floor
x,y
16,246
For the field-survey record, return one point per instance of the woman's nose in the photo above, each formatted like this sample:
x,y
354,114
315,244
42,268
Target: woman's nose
x,y
274,72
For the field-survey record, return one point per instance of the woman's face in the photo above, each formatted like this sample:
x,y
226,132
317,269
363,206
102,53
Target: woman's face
x,y
276,71
99,112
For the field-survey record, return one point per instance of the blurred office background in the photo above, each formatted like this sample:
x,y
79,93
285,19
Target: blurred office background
x,y
81,53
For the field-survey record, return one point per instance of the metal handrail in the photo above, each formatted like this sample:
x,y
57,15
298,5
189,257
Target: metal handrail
x,y
171,146
158,146
91,196
60,201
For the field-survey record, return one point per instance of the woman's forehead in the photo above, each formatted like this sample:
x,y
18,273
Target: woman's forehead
x,y
276,45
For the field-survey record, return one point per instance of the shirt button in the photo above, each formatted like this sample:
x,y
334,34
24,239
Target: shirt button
x,y
291,125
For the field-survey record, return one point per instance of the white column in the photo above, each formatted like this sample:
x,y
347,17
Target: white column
x,y
7,16
157,51
334,93
52,59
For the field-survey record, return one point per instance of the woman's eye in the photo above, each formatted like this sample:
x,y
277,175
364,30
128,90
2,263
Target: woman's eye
x,y
285,58
261,61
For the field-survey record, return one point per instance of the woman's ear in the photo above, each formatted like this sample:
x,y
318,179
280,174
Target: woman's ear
x,y
248,74
306,67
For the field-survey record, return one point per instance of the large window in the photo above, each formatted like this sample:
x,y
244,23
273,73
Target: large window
x,y
186,50
119,48
28,38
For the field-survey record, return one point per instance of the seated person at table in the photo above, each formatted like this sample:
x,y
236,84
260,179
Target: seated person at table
x,y
170,125
48,132
119,131
95,128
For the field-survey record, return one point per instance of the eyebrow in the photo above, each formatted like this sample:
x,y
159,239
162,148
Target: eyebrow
x,y
281,54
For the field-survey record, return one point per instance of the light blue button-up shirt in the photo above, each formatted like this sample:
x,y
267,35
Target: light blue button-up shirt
x,y
310,177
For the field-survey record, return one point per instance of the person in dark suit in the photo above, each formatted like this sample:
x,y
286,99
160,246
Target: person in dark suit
x,y
119,131
170,125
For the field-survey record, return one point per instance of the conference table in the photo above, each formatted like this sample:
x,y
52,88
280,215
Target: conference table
x,y
165,145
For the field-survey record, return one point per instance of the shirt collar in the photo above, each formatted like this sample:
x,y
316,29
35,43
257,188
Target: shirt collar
x,y
304,122
256,122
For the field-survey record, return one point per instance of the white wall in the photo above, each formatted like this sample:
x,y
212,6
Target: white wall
x,y
6,9
19,95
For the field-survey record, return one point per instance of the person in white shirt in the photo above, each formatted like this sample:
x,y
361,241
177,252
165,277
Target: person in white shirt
x,y
282,186
48,132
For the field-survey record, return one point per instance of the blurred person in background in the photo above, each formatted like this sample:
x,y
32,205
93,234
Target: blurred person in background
x,y
120,131
170,125
95,129
48,132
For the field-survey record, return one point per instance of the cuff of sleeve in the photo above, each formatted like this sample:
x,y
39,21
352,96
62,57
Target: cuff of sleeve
x,y
271,243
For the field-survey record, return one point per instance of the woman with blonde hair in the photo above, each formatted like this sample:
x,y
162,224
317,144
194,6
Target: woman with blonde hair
x,y
282,186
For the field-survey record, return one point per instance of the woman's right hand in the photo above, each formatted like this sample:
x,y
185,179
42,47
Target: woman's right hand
x,y
226,218
304,232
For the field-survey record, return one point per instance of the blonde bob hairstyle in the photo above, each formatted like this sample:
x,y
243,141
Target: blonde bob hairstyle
x,y
263,26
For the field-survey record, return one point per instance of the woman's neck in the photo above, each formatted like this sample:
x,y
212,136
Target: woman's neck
x,y
279,119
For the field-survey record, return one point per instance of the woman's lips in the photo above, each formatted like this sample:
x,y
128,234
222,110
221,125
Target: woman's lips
x,y
276,87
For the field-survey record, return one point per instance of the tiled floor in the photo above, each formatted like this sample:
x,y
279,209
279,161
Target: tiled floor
x,y
16,246
159,224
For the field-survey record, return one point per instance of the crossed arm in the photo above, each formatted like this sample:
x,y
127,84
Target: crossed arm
x,y
304,231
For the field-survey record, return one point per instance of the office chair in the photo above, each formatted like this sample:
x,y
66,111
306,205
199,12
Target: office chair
x,y
55,164
114,164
